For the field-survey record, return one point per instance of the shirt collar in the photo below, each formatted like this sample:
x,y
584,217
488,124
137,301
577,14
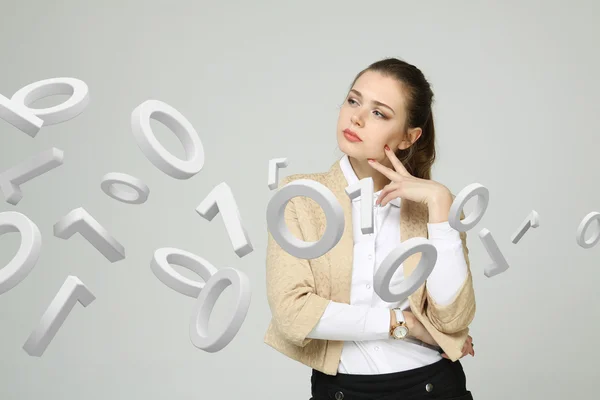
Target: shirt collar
x,y
351,177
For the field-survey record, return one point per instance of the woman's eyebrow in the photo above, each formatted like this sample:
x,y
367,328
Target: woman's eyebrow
x,y
373,101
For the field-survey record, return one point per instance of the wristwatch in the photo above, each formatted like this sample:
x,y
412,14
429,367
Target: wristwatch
x,y
400,329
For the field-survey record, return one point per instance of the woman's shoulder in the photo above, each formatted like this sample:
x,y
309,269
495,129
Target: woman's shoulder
x,y
315,176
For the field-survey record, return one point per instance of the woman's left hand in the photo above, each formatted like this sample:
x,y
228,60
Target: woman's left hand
x,y
406,186
467,348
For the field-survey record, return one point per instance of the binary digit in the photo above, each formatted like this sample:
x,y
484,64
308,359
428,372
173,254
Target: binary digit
x,y
483,198
26,170
206,302
155,152
221,200
79,220
583,227
325,198
20,117
71,292
29,250
532,221
110,180
499,264
274,166
65,111
364,189
385,272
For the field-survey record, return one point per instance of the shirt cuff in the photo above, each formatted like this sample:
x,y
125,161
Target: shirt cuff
x,y
442,231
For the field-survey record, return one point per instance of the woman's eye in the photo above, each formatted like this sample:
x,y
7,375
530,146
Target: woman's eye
x,y
351,101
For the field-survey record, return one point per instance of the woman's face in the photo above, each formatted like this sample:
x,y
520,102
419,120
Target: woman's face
x,y
375,111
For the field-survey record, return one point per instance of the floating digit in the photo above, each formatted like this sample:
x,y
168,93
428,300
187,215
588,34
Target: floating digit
x,y
206,302
29,250
221,199
364,189
328,202
583,227
71,292
155,152
499,264
20,117
26,170
474,189
532,221
206,293
391,263
110,180
274,166
162,269
65,111
79,220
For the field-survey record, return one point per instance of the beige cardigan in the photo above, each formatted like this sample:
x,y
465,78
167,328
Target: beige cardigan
x,y
299,290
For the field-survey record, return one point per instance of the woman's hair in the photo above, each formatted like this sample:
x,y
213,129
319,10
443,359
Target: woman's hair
x,y
420,156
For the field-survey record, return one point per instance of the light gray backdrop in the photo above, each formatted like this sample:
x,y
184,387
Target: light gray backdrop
x,y
516,110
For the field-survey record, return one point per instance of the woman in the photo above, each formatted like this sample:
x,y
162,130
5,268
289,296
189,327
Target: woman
x,y
326,313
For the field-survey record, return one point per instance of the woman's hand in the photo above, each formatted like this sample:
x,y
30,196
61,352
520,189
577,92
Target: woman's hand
x,y
406,186
467,348
418,331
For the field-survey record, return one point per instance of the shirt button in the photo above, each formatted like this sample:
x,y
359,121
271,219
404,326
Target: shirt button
x,y
368,286
376,348
339,395
370,257
429,387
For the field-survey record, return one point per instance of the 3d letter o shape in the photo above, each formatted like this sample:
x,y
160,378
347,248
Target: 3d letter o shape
x,y
154,150
62,112
328,202
108,186
474,189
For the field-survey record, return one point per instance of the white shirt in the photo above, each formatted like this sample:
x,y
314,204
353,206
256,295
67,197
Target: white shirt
x,y
364,324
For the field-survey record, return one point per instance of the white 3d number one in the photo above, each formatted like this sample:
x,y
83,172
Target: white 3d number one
x,y
221,199
71,292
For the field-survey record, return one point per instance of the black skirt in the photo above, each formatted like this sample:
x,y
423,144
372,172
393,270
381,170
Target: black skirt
x,y
443,379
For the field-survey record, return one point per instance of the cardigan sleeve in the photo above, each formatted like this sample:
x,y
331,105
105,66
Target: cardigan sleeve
x,y
456,314
450,270
295,306
354,322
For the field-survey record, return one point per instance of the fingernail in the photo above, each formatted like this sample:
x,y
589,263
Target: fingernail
x,y
387,147
370,160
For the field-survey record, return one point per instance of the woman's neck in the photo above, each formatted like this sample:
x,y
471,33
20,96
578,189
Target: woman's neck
x,y
363,169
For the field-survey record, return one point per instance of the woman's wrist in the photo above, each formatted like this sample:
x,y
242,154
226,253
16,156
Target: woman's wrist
x,y
409,319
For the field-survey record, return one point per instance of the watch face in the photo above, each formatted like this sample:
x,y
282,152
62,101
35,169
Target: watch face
x,y
400,332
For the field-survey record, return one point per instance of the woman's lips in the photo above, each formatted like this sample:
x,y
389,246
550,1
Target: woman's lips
x,y
350,137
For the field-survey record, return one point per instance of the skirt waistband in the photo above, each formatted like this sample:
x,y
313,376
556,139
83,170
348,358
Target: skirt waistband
x,y
389,382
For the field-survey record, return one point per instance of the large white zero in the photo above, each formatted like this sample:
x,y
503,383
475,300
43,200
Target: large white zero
x,y
155,152
62,112
583,227
29,251
328,202
389,266
474,189
206,302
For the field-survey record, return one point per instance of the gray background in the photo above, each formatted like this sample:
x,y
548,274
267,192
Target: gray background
x,y
516,110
